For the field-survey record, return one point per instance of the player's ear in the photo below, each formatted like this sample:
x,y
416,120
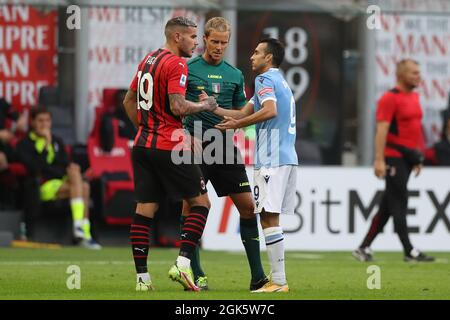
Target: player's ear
x,y
204,39
269,58
177,36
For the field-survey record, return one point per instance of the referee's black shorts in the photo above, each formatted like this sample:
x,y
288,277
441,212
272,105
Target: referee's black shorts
x,y
156,177
227,178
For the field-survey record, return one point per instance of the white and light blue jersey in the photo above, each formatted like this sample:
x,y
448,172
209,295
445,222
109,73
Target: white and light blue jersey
x,y
275,138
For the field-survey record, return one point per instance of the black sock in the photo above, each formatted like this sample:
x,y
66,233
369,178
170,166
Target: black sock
x,y
373,231
140,241
250,240
195,257
192,230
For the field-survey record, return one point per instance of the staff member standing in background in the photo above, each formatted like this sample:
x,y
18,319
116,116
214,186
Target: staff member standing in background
x,y
398,133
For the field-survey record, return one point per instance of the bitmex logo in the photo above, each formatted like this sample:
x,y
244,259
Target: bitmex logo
x,y
329,205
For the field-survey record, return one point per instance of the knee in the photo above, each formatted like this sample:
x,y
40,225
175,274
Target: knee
x,y
200,201
147,209
186,208
247,210
86,189
269,220
3,161
74,172
265,223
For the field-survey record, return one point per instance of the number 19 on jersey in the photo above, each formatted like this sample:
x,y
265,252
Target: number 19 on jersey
x,y
146,95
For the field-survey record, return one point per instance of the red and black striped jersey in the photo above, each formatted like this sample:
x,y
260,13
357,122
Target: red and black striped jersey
x,y
159,74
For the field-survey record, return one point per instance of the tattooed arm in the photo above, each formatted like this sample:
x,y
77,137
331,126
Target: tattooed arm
x,y
236,112
181,107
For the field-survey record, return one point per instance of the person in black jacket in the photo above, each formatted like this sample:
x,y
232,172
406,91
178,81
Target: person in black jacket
x,y
44,156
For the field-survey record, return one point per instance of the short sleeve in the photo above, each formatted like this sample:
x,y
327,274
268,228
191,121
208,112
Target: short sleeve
x,y
177,79
252,99
264,90
386,108
239,98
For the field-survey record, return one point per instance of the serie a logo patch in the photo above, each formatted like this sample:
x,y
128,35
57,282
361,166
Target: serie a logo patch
x,y
183,80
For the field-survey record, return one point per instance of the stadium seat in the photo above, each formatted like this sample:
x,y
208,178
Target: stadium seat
x,y
113,170
11,181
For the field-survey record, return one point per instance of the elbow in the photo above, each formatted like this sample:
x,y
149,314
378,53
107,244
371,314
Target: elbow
x,y
176,112
272,113
127,101
129,105
177,109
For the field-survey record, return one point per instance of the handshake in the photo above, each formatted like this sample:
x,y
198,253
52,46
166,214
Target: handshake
x,y
209,103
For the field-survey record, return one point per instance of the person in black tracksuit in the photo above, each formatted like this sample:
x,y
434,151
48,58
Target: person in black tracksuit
x,y
398,133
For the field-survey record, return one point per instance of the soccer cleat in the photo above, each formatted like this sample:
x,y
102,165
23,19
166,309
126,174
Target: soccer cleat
x,y
90,244
363,254
202,283
144,286
271,287
184,276
258,284
416,255
78,232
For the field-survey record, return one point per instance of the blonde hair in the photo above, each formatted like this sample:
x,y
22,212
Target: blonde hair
x,y
217,24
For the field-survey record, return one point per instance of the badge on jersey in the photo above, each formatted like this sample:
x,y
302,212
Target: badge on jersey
x,y
183,80
202,184
216,87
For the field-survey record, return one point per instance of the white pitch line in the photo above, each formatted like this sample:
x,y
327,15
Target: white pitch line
x,y
52,263
308,256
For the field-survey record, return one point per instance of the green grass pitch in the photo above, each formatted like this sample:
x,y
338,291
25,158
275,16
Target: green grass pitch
x,y
109,274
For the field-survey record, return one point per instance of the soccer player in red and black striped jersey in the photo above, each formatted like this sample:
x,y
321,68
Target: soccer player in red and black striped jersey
x,y
155,103
399,126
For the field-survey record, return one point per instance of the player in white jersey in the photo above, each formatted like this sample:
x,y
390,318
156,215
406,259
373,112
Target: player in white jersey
x,y
272,109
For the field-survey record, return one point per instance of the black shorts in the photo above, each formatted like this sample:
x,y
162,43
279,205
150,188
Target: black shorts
x,y
227,178
157,177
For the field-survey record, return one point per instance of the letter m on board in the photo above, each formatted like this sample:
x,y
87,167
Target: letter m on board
x,y
355,202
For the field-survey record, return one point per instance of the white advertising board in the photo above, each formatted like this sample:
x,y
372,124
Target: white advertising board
x,y
334,208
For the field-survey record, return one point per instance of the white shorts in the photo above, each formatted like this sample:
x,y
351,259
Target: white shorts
x,y
274,189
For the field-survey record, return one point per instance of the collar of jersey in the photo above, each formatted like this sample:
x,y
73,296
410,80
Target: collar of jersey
x,y
211,65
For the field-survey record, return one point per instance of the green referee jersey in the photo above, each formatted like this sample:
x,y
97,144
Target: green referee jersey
x,y
223,81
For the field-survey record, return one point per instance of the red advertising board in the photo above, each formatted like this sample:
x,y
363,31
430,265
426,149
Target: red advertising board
x,y
28,57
